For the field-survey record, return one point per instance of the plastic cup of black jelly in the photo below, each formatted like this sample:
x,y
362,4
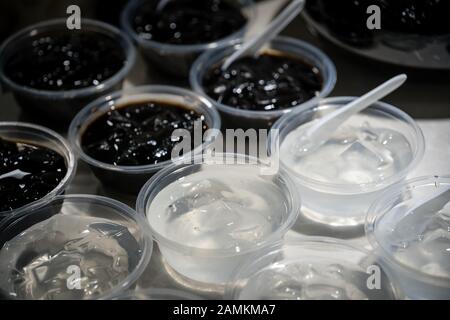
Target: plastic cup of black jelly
x,y
100,241
413,33
37,164
172,37
53,72
290,74
126,137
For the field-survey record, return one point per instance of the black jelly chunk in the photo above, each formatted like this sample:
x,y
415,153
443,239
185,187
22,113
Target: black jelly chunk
x,y
271,81
188,21
27,173
65,60
138,133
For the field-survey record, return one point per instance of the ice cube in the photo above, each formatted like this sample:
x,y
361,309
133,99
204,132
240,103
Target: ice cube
x,y
42,258
409,229
364,153
200,194
435,241
436,269
211,214
367,132
444,216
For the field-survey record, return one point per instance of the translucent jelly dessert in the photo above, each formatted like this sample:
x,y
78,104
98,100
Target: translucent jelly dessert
x,y
28,172
73,247
138,133
158,294
422,240
311,270
271,81
354,155
219,208
38,259
185,22
339,179
310,280
208,217
58,61
415,242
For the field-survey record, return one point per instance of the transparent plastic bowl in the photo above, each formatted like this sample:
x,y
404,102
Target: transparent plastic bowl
x,y
62,106
311,269
393,206
86,206
345,205
176,60
212,266
236,118
40,136
158,294
130,179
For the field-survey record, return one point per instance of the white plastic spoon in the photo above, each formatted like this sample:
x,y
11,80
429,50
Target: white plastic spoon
x,y
16,174
273,29
433,203
161,5
320,131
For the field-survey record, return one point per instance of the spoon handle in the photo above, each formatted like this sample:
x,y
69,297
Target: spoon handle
x,y
161,5
16,174
435,202
329,123
274,28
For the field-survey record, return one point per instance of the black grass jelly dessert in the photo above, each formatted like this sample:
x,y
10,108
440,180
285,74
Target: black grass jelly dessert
x,y
413,33
36,164
188,21
171,34
256,90
269,81
126,137
53,71
28,173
